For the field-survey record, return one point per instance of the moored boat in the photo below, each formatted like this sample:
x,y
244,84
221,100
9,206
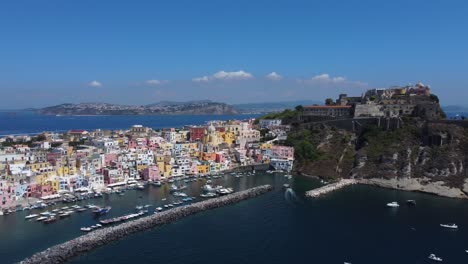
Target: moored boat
x,y
31,216
50,219
41,218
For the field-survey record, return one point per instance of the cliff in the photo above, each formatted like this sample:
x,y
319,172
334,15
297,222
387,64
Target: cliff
x,y
420,156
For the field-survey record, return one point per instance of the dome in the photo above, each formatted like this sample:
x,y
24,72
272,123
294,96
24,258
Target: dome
x,y
211,129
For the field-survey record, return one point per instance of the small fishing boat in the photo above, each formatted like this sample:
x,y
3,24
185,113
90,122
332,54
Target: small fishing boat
x,y
411,202
393,204
452,226
86,229
435,258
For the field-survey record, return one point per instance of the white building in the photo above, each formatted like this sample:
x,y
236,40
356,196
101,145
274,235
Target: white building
x,y
267,123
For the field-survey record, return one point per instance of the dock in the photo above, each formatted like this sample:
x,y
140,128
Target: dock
x,y
315,193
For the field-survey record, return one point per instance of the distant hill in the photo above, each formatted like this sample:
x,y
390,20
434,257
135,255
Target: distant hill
x,y
161,108
455,108
269,107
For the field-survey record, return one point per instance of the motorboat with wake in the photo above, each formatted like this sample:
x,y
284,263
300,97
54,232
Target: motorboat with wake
x,y
101,210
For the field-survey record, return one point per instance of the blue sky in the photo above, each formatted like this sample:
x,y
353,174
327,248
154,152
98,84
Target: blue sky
x,y
138,52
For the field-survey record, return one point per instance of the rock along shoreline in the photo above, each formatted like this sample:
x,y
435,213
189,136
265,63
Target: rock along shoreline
x,y
80,245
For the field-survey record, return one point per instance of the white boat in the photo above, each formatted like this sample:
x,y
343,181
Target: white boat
x,y
31,216
42,218
46,213
159,209
393,204
85,229
452,226
435,258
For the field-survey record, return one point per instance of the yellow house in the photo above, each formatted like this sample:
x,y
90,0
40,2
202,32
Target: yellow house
x,y
55,185
202,169
167,170
228,137
65,170
141,167
166,146
266,146
37,166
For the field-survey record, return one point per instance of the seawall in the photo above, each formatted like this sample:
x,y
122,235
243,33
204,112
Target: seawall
x,y
246,168
64,252
330,188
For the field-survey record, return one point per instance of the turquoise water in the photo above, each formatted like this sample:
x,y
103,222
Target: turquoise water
x,y
352,225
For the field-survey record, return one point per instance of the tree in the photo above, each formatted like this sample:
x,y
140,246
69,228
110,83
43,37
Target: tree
x,y
329,101
434,98
299,108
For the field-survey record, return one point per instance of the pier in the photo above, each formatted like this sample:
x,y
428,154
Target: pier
x,y
330,188
64,252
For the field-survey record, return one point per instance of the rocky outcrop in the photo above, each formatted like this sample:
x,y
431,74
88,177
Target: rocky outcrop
x,y
420,156
425,185
63,252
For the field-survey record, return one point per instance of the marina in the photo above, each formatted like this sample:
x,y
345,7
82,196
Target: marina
x,y
346,199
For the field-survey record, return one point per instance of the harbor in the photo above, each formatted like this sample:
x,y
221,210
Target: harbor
x,y
63,252
315,193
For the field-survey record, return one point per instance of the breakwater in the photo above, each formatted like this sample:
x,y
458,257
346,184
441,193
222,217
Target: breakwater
x,y
330,188
63,252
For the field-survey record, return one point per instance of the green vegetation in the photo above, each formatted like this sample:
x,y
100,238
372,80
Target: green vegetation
x,y
379,141
434,98
288,115
305,149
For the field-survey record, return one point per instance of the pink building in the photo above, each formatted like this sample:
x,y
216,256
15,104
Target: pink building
x,y
151,173
109,157
45,190
7,195
220,157
282,152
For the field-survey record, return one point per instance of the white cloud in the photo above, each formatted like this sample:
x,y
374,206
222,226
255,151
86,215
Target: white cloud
x,y
224,76
94,84
273,76
325,79
155,82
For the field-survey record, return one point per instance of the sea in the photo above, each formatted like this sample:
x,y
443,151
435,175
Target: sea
x,y
350,225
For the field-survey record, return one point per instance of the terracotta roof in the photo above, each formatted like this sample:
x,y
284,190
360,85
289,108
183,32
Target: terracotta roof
x,y
327,106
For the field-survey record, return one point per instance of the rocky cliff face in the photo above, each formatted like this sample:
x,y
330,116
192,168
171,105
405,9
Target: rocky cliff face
x,y
421,156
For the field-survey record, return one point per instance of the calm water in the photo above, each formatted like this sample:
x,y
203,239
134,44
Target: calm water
x,y
280,227
30,122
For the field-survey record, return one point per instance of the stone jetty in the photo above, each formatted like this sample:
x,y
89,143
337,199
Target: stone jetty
x,y
330,188
64,252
